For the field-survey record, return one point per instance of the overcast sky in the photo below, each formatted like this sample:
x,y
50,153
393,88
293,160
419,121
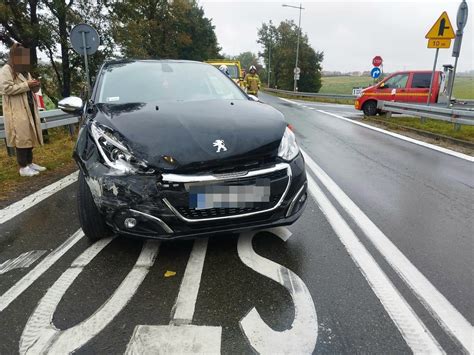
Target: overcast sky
x,y
349,32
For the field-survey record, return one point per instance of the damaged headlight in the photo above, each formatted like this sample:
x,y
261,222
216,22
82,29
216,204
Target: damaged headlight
x,y
288,149
115,154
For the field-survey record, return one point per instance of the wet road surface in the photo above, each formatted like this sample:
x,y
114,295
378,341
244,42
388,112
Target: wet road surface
x,y
381,261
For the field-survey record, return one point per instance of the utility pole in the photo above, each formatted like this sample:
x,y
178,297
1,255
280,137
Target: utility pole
x,y
296,71
269,67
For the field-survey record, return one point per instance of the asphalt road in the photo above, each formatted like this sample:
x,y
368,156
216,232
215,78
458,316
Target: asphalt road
x,y
380,262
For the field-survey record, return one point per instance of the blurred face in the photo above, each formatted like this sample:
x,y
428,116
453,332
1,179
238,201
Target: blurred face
x,y
21,58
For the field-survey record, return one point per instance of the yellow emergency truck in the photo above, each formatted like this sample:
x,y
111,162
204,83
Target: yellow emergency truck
x,y
233,66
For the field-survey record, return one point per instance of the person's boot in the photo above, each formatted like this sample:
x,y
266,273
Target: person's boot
x,y
27,171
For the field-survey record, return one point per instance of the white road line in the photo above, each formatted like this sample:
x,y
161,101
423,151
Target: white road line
x,y
184,339
302,335
21,206
183,310
290,101
440,308
402,137
26,281
416,335
22,261
180,337
41,336
315,104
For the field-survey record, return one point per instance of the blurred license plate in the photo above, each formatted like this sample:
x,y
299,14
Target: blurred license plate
x,y
229,196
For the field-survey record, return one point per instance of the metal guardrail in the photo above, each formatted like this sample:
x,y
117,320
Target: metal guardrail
x,y
49,119
453,115
310,94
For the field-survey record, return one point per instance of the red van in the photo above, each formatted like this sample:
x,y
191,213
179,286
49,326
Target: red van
x,y
406,86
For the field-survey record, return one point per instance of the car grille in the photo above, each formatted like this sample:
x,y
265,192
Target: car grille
x,y
178,200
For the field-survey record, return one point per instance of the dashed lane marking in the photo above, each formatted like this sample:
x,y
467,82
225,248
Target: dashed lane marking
x,y
21,206
440,308
416,335
26,281
22,261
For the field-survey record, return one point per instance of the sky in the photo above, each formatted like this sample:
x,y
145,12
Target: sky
x,y
349,32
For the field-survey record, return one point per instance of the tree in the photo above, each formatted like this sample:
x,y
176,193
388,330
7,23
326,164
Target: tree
x,y
163,29
282,41
19,22
247,59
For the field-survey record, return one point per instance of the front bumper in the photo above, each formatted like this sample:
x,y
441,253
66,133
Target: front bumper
x,y
153,203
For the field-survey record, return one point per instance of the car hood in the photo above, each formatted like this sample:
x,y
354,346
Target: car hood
x,y
187,131
370,88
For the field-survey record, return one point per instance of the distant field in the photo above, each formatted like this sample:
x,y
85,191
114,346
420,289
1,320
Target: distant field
x,y
463,86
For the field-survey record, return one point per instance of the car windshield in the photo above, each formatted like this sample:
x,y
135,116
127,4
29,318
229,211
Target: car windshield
x,y
149,81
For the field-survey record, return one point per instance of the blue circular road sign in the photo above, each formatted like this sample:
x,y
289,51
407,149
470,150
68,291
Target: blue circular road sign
x,y
375,72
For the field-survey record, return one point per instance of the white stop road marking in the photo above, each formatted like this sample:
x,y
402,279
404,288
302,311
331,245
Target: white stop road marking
x,y
41,336
303,333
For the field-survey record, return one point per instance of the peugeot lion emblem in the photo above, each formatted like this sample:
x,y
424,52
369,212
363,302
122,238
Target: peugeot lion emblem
x,y
219,143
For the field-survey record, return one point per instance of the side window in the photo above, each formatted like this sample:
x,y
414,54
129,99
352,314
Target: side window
x,y
421,81
397,82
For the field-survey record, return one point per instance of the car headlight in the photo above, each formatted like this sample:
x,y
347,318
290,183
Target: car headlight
x,y
115,154
288,149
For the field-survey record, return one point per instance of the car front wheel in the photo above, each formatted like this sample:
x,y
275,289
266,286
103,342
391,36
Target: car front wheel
x,y
92,222
370,108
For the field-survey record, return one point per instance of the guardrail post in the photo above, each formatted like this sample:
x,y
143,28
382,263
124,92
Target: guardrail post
x,y
72,128
45,132
457,126
423,119
10,150
388,114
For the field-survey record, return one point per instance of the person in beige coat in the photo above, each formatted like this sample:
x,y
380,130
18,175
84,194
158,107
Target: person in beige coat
x,y
22,122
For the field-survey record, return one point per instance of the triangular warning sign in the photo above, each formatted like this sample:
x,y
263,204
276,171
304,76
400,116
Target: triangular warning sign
x,y
442,29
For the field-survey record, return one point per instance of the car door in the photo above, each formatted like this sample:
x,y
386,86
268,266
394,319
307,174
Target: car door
x,y
418,87
397,87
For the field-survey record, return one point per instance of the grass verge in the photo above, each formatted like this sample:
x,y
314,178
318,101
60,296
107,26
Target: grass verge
x,y
56,156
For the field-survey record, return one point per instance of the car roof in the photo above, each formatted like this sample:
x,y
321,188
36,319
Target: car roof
x,y
133,60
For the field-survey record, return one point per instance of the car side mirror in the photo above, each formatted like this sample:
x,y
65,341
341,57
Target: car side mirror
x,y
253,98
71,104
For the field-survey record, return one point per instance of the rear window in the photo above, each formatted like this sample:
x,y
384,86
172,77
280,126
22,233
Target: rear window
x,y
421,81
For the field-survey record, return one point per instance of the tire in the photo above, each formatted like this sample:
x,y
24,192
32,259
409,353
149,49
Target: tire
x,y
370,108
92,222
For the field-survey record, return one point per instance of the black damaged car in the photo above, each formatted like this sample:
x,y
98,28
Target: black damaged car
x,y
171,149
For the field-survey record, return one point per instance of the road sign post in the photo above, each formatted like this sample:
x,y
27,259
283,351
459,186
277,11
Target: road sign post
x,y
85,41
432,76
461,20
439,36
